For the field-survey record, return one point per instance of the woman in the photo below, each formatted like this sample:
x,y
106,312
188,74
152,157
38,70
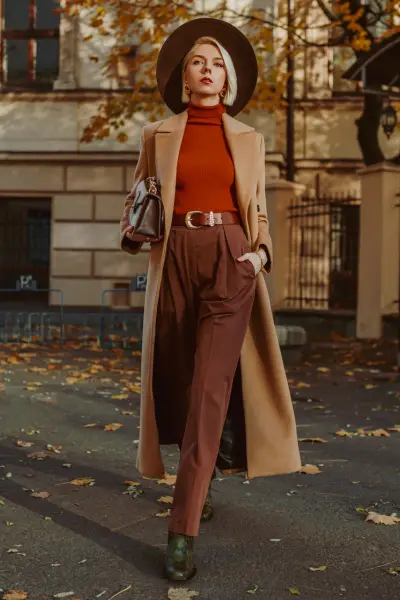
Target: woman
x,y
213,380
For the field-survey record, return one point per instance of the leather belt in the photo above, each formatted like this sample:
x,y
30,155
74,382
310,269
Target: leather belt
x,y
195,219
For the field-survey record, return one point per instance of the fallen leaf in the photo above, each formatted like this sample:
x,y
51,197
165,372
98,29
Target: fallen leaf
x,y
63,595
128,412
120,397
113,427
39,455
168,480
310,470
83,481
294,591
394,570
42,495
323,369
56,449
382,519
164,514
302,384
369,386
22,444
344,433
323,568
275,539
379,433
9,523
15,595
181,594
253,591
165,499
395,428
312,440
91,425
131,483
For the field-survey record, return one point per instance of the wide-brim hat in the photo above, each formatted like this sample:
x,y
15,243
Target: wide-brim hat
x,y
178,44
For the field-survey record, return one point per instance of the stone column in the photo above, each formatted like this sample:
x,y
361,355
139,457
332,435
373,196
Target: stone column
x,y
69,27
280,194
378,267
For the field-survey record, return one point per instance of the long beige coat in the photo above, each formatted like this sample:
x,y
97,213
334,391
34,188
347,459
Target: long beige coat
x,y
271,439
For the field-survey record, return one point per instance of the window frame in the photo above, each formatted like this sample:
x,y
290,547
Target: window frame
x,y
32,35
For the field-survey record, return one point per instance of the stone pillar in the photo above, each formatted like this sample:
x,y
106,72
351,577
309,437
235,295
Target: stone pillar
x,y
378,267
69,28
280,194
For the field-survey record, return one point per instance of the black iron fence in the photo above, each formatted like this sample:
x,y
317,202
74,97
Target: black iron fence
x,y
324,242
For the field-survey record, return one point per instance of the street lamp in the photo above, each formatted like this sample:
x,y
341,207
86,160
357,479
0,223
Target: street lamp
x,y
388,119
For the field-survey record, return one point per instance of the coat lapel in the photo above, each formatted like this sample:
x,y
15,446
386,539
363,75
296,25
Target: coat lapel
x,y
241,146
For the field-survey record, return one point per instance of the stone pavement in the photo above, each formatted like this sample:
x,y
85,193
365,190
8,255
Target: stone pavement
x,y
95,541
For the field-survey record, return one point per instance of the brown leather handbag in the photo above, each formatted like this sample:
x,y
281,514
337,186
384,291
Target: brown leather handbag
x,y
146,214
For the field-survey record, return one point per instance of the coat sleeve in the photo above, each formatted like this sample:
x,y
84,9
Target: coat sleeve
x,y
264,238
141,172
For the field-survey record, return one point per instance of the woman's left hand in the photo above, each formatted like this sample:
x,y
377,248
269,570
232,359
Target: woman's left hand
x,y
255,259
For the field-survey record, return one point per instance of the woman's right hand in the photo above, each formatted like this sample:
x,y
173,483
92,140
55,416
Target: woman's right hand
x,y
128,233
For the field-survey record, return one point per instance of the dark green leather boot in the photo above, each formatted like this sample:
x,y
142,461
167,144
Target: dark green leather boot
x,y
179,561
208,511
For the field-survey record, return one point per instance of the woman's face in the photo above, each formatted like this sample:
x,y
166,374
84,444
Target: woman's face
x,y
205,74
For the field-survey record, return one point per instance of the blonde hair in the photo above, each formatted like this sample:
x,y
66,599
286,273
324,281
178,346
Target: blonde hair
x,y
231,78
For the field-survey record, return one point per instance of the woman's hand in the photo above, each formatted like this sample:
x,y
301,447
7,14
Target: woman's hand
x,y
128,233
257,259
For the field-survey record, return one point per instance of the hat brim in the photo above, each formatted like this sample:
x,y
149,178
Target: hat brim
x,y
178,44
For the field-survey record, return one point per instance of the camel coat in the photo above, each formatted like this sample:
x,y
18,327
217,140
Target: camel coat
x,y
271,438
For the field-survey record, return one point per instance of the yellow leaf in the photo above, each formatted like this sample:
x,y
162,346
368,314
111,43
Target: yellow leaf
x,y
396,428
294,591
113,427
310,470
128,412
323,568
374,517
312,440
181,594
302,384
165,500
369,386
127,482
15,595
323,369
120,397
379,433
344,433
82,481
91,425
169,480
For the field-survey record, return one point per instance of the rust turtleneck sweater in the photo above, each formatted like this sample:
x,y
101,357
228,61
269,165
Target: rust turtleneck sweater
x,y
205,178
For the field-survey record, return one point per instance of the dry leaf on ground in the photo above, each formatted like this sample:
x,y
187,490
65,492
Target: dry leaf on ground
x,y
56,449
168,480
64,595
165,499
42,495
395,428
131,483
294,591
379,433
128,412
394,570
15,595
113,427
39,455
374,517
164,514
181,594
310,470
83,481
91,425
344,433
312,440
22,444
120,397
323,568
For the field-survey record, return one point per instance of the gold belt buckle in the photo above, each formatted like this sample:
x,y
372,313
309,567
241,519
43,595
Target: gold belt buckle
x,y
188,221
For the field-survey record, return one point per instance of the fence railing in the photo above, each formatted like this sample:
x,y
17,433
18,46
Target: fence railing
x,y
323,254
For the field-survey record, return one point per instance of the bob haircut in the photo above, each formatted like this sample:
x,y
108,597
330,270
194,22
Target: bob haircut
x,y
231,78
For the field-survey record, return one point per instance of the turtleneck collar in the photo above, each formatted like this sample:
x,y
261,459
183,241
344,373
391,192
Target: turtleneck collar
x,y
205,115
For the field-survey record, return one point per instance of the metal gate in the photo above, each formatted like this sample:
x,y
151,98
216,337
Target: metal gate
x,y
323,255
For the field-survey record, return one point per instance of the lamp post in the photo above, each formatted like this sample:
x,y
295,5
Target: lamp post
x,y
290,97
388,118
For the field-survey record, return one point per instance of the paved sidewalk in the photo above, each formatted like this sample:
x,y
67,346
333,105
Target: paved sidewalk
x,y
96,541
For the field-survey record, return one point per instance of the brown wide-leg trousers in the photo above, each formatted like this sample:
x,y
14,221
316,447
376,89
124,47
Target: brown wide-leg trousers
x,y
204,309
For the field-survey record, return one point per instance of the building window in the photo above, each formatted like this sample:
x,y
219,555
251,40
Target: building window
x,y
126,66
29,47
